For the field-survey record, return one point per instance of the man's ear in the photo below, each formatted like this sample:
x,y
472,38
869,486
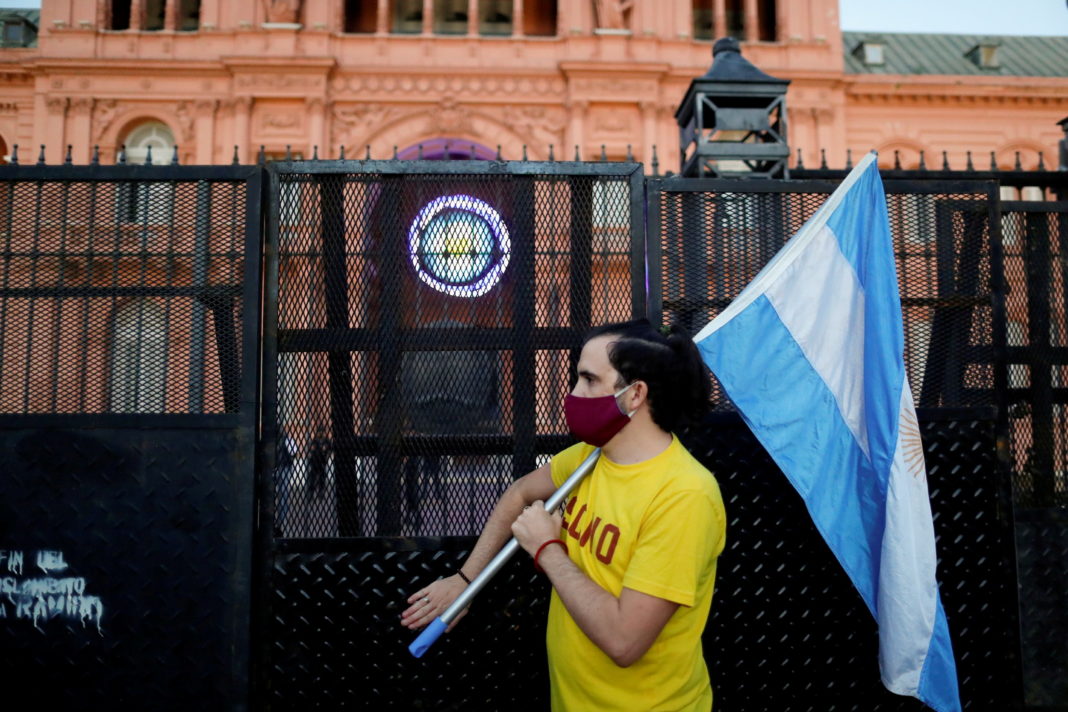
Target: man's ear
x,y
639,394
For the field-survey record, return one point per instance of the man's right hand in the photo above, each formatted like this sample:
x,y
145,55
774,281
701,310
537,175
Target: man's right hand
x,y
429,602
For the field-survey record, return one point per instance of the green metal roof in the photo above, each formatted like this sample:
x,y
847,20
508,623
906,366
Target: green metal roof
x,y
948,54
34,16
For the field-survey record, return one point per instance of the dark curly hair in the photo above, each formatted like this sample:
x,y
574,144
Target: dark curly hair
x,y
668,361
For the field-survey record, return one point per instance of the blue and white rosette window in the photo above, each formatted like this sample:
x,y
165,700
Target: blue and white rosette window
x,y
459,245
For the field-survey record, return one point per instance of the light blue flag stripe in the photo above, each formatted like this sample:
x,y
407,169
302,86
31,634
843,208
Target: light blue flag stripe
x,y
811,353
804,434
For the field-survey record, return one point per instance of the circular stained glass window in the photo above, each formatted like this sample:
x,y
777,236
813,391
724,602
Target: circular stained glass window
x,y
459,245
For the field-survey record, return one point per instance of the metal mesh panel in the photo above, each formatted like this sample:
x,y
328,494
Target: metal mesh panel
x,y
120,296
714,240
1036,273
427,329
788,631
339,643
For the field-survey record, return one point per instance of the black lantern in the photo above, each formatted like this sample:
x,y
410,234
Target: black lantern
x,y
732,121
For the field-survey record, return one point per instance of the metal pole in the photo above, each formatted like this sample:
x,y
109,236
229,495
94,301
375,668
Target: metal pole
x,y
433,631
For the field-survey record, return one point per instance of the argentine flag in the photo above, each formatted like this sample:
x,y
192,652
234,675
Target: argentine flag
x,y
811,353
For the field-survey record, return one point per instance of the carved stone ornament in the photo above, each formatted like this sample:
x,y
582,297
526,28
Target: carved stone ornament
x,y
81,106
104,111
185,120
449,118
613,14
283,11
353,124
541,125
57,104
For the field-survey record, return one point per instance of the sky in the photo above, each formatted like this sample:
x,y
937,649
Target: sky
x,y
969,17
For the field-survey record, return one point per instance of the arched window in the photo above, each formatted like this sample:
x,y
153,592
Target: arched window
x,y
147,202
139,359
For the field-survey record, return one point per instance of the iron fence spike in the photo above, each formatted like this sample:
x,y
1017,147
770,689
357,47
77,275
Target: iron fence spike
x,y
122,155
41,156
366,151
174,156
969,166
551,156
236,160
262,158
289,153
394,152
499,152
148,157
1041,161
1018,166
95,160
15,155
577,157
604,156
823,159
474,153
945,161
630,155
923,162
315,152
420,156
655,162
897,160
524,152
67,159
993,161
849,158
800,161
341,153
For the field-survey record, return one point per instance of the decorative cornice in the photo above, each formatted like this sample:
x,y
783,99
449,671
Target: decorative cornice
x,y
468,85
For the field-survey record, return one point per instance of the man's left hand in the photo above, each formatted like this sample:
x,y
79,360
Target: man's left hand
x,y
535,526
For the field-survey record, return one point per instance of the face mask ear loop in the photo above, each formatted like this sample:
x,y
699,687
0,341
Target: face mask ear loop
x,y
620,392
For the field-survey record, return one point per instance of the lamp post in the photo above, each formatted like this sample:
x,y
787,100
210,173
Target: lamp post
x,y
732,121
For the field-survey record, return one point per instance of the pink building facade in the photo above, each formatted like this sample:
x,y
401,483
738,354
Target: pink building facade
x,y
576,75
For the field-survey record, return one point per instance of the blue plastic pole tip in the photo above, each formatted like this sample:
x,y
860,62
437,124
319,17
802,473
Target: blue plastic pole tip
x,y
427,638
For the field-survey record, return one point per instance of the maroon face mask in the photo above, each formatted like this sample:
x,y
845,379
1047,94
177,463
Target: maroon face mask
x,y
595,420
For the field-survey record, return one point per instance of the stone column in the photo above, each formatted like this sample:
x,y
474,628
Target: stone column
x,y
170,15
472,18
316,108
55,128
648,109
576,122
428,17
517,18
719,19
242,112
137,14
81,111
383,19
752,21
205,131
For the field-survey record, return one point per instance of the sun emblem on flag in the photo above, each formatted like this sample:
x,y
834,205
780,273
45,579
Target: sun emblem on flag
x,y
911,444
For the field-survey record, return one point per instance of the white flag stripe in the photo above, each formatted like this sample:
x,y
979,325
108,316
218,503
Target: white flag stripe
x,y
790,251
907,588
820,301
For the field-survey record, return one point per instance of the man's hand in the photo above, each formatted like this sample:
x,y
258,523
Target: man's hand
x,y
429,602
535,526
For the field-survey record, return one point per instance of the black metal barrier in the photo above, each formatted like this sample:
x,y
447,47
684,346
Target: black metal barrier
x,y
787,630
138,437
129,338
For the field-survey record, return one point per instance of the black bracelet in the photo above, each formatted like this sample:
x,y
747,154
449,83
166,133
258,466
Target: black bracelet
x,y
461,572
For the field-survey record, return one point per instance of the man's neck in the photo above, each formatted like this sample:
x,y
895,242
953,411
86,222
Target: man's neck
x,y
638,442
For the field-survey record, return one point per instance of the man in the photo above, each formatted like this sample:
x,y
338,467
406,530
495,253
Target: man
x,y
633,559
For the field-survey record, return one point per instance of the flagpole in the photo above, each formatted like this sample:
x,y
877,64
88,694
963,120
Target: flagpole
x,y
433,631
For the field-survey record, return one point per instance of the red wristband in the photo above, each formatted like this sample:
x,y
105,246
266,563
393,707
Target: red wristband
x,y
542,548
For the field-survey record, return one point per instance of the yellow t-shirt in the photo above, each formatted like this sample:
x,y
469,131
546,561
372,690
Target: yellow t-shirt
x,y
656,527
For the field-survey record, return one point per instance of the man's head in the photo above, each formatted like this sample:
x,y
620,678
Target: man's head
x,y
665,366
